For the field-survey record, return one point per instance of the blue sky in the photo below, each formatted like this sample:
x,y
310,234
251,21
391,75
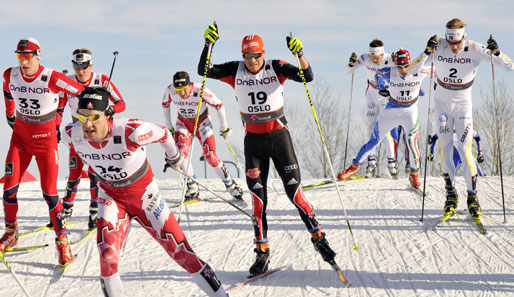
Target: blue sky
x,y
158,38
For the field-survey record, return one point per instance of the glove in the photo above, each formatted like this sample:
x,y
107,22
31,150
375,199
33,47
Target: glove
x,y
384,93
431,45
353,59
58,134
295,46
110,111
226,133
493,46
175,161
10,121
430,139
480,158
430,156
211,34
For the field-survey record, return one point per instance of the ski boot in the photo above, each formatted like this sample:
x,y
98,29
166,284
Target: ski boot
x,y
93,211
343,175
392,165
192,190
63,249
413,179
234,189
473,207
261,260
67,210
371,169
321,245
10,238
451,200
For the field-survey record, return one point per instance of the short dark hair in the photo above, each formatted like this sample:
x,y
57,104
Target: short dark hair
x,y
82,51
376,43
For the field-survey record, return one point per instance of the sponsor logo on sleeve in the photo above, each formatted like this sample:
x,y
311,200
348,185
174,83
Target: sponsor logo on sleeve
x,y
146,136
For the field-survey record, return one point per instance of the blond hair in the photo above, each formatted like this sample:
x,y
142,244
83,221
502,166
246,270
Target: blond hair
x,y
455,24
82,51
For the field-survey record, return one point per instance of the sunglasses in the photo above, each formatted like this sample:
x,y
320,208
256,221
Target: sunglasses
x,y
252,55
403,66
181,88
25,55
454,42
91,118
80,66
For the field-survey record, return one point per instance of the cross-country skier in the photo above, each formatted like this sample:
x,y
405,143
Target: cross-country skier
x,y
31,101
185,96
456,62
404,82
259,88
114,148
82,64
376,59
457,161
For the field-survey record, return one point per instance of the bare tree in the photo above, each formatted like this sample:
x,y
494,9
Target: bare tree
x,y
486,119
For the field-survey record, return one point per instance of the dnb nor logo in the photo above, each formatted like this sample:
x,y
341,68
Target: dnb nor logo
x,y
253,172
443,118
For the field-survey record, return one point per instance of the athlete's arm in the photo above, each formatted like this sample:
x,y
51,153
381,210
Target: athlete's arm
x,y
225,72
166,111
9,100
60,82
358,64
116,99
285,71
139,133
484,56
382,77
63,99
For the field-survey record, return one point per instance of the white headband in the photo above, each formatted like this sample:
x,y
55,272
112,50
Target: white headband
x,y
455,34
376,51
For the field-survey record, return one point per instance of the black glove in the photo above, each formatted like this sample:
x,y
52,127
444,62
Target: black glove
x,y
10,121
211,34
493,46
58,134
480,158
431,45
110,111
175,161
295,46
430,139
430,156
384,93
353,59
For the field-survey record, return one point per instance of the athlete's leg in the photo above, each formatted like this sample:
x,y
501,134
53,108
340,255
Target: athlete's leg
x,y
184,139
445,124
48,164
464,132
372,113
16,164
75,165
113,223
155,216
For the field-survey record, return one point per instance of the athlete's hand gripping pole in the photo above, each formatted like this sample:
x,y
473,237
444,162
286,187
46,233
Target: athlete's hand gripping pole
x,y
289,40
493,52
428,123
190,154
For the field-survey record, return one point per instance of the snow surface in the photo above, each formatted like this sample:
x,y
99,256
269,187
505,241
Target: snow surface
x,y
396,256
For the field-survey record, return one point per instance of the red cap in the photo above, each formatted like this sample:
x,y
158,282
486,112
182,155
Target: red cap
x,y
252,44
28,44
402,57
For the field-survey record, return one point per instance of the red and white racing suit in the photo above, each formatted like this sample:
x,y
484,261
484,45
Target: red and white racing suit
x,y
184,127
75,163
34,101
128,190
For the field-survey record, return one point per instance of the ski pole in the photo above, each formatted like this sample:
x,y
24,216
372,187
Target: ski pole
x,y
206,69
115,53
166,166
498,135
348,125
14,274
426,143
324,147
235,158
